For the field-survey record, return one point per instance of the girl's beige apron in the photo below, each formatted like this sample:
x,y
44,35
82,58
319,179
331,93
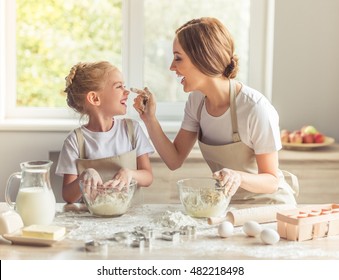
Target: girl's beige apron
x,y
107,167
239,156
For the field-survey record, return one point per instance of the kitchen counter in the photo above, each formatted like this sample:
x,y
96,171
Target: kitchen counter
x,y
317,171
82,227
328,154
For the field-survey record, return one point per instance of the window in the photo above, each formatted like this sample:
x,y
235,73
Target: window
x,y
158,43
41,39
50,36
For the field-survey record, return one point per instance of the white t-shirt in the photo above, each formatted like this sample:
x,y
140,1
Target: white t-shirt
x,y
258,122
101,145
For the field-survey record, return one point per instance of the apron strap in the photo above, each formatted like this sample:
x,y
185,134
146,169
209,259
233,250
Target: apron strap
x,y
130,132
235,136
80,139
232,89
199,116
200,109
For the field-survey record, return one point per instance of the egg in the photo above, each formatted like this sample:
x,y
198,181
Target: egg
x,y
225,229
251,228
269,236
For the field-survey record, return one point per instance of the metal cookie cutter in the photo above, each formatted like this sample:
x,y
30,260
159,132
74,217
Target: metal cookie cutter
x,y
189,231
144,234
147,232
96,246
137,242
173,236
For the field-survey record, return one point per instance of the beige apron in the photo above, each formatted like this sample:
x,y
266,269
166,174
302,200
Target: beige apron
x,y
239,156
107,167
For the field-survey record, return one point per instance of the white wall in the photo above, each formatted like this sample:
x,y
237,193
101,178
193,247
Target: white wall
x,y
305,86
16,147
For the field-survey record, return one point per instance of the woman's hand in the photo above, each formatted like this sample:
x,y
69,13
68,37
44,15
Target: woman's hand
x,y
229,179
144,103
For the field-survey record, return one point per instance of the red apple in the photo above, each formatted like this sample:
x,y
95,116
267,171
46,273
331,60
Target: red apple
x,y
308,138
319,138
296,137
284,135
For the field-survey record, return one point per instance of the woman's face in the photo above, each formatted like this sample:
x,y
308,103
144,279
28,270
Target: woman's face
x,y
114,95
191,78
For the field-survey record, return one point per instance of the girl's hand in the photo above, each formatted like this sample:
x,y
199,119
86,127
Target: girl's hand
x,y
122,178
229,179
111,184
90,181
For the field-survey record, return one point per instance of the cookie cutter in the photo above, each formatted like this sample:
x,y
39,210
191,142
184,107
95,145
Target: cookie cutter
x,y
189,231
173,236
141,237
137,242
147,232
95,246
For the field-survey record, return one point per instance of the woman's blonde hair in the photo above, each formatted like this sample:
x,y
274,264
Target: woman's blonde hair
x,y
210,46
83,78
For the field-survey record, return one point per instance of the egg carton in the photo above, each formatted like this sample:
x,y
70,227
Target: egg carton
x,y
309,222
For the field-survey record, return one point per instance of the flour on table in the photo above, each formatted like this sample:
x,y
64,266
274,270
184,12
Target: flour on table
x,y
175,220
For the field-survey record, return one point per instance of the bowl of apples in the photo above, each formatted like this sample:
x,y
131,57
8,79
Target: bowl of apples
x,y
306,138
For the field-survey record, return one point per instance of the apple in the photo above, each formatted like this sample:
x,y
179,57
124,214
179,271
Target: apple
x,y
308,138
284,135
296,137
319,138
309,129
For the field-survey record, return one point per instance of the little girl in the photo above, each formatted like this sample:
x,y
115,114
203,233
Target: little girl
x,y
107,148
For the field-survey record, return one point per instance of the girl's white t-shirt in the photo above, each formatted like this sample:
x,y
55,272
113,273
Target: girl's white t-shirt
x,y
101,145
258,122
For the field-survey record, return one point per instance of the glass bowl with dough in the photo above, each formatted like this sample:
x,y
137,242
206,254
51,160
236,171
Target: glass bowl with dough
x,y
107,200
203,197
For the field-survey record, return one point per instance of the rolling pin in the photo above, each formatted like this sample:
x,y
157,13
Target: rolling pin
x,y
260,214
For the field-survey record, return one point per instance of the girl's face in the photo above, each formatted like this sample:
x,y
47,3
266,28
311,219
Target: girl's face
x,y
191,77
113,98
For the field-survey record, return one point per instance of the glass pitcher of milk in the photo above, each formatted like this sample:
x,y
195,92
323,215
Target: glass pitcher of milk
x,y
35,200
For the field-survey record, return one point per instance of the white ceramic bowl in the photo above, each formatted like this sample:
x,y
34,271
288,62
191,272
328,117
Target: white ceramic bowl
x,y
202,197
108,202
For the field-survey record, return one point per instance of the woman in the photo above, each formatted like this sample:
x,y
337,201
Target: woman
x,y
236,126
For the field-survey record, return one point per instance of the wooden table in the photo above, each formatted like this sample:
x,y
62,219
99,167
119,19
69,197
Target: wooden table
x,y
206,245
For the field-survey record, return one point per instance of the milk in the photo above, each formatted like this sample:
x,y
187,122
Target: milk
x,y
36,205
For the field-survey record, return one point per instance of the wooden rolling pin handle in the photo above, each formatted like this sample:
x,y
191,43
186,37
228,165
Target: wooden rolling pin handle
x,y
216,220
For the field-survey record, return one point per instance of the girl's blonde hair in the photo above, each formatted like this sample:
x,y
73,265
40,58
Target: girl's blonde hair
x,y
210,47
83,78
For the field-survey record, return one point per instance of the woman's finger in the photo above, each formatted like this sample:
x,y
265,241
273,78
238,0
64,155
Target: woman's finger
x,y
138,91
148,93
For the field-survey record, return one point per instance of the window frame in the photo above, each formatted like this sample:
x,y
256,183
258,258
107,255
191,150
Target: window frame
x,y
259,76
